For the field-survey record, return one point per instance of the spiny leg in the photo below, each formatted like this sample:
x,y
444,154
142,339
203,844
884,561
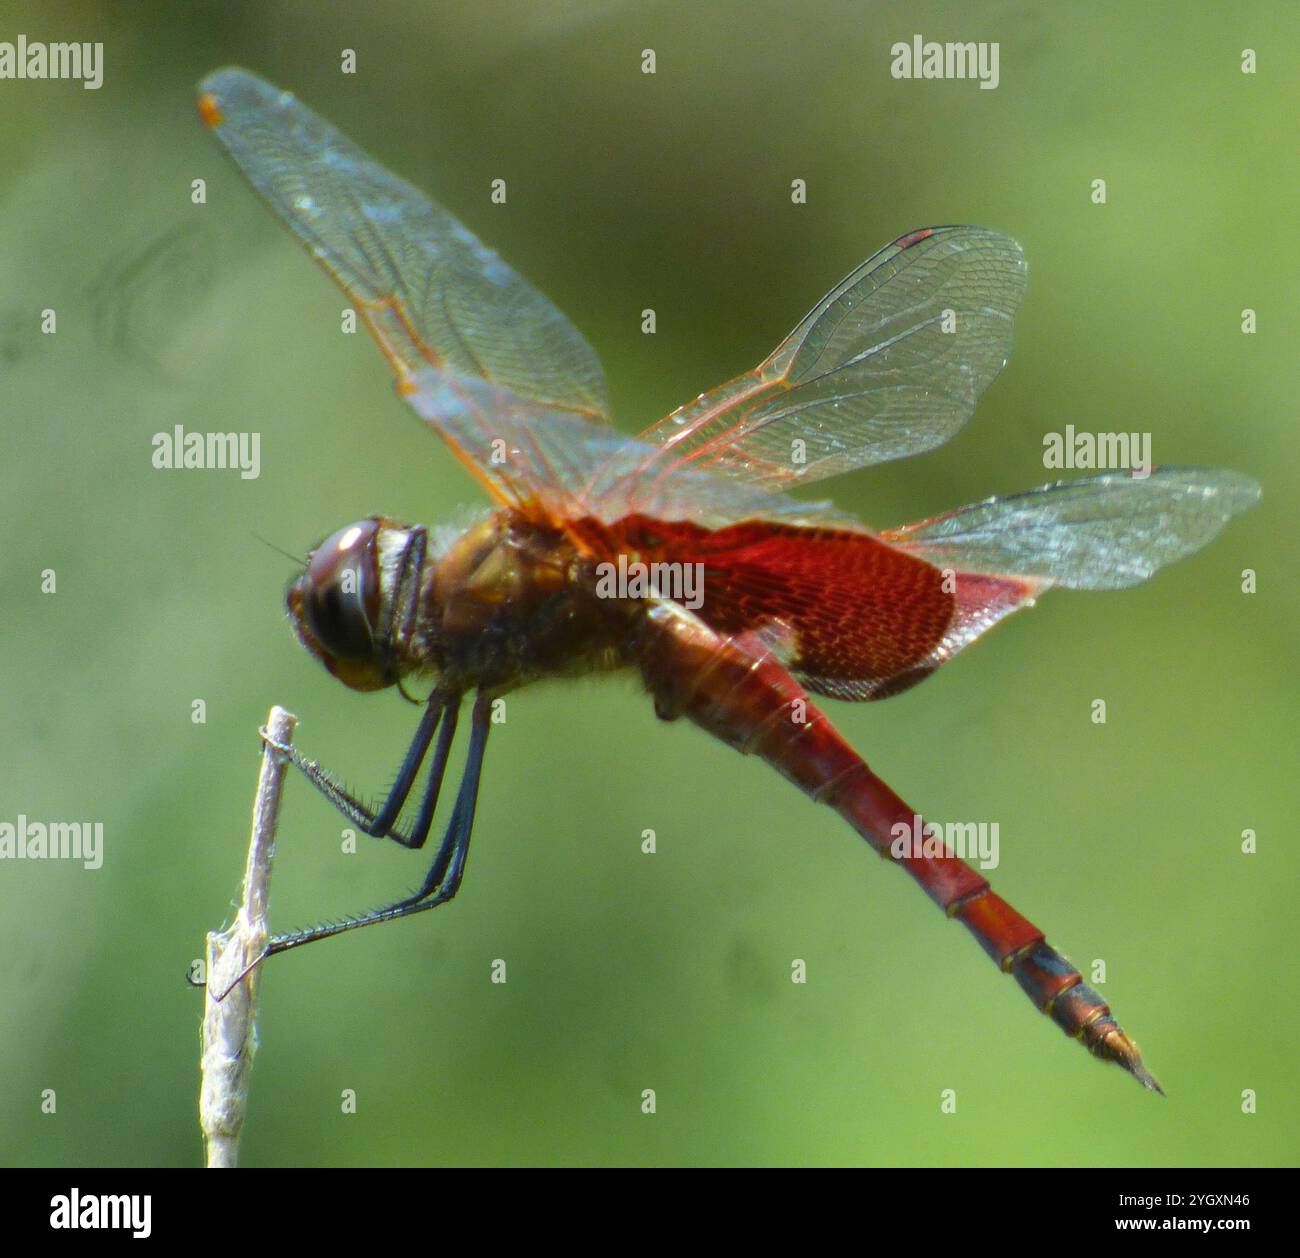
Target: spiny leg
x,y
444,877
433,787
381,823
449,865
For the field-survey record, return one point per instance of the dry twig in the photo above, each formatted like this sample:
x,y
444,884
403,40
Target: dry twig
x,y
230,1010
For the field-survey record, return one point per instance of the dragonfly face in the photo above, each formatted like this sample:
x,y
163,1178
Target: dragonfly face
x,y
346,606
793,597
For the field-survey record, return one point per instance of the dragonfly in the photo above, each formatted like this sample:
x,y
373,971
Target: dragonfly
x,y
584,560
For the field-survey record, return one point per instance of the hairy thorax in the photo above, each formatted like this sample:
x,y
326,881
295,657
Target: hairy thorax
x,y
507,603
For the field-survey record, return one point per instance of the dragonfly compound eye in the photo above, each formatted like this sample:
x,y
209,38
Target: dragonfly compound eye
x,y
335,605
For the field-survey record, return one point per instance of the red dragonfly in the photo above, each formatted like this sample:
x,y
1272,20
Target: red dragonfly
x,y
792,597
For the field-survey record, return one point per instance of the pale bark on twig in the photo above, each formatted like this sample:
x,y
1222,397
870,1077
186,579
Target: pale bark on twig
x,y
230,1020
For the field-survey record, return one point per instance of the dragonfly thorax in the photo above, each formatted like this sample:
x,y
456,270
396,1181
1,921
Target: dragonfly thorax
x,y
509,602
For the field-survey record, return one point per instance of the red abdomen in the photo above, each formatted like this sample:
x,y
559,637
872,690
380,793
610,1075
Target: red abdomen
x,y
735,688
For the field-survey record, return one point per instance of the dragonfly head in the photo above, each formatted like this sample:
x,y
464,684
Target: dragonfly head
x,y
342,606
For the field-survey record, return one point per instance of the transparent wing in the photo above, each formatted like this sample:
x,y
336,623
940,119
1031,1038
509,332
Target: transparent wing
x,y
433,295
555,468
1097,533
888,364
860,616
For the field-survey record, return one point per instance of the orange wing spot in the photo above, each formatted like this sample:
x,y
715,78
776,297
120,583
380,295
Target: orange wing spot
x,y
914,238
210,111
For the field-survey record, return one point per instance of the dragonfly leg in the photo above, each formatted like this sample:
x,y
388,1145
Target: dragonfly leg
x,y
448,869
382,822
432,788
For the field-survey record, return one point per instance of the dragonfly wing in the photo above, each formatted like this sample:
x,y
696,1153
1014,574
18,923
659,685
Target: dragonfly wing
x,y
888,364
850,615
434,296
857,615
554,467
1097,533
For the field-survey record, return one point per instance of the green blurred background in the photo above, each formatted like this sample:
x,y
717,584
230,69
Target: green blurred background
x,y
626,971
